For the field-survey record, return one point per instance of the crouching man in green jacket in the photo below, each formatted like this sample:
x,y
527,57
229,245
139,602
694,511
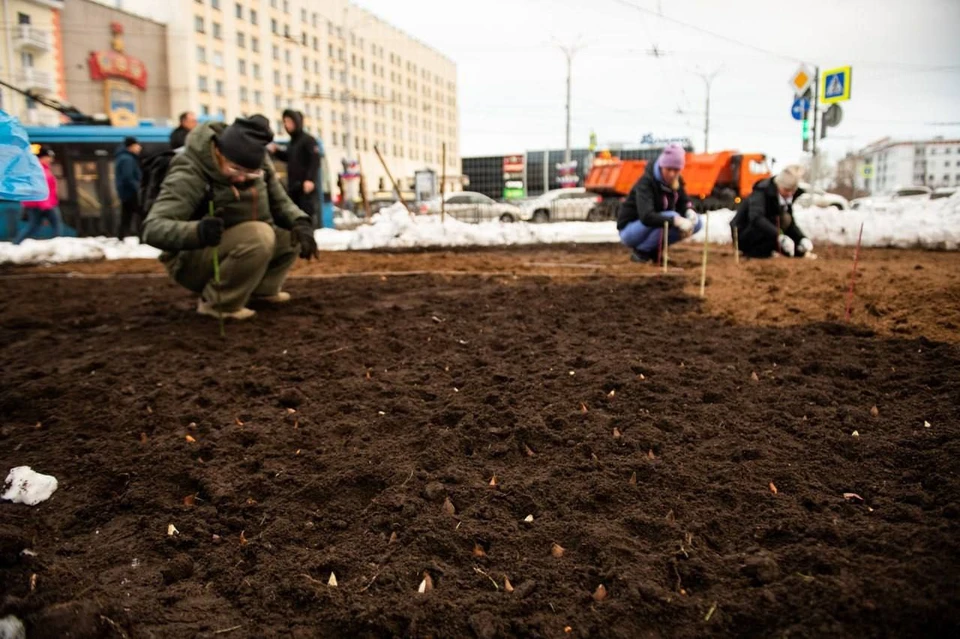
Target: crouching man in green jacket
x,y
255,226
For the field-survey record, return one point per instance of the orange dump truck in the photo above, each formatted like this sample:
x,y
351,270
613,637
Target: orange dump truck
x,y
713,180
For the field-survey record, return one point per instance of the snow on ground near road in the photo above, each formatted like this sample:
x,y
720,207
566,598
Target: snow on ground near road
x,y
74,249
922,223
26,486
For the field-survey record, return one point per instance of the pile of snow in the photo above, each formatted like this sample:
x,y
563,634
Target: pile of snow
x,y
75,249
933,224
903,224
394,227
25,486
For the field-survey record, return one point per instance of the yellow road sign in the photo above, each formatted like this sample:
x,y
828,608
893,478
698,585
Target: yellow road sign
x,y
835,85
801,79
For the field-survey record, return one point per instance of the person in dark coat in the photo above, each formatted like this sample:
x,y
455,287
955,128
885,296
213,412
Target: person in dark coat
x,y
302,156
127,176
188,122
658,197
765,224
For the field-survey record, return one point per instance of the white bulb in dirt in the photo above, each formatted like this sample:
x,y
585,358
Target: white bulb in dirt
x,y
25,486
12,628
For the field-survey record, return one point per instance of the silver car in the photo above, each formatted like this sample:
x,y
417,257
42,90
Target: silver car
x,y
562,205
469,206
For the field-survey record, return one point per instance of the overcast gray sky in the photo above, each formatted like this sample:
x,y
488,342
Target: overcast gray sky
x,y
511,72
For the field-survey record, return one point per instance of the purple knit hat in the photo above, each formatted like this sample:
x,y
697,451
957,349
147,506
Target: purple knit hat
x,y
672,157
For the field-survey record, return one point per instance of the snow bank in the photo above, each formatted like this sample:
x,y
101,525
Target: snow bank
x,y
74,249
25,486
907,224
933,224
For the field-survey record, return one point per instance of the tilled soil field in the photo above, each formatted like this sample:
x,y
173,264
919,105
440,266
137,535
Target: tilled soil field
x,y
571,422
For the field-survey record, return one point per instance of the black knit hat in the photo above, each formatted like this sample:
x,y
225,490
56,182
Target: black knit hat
x,y
244,142
129,141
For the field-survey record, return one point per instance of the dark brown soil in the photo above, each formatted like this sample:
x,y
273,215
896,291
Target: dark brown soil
x,y
327,427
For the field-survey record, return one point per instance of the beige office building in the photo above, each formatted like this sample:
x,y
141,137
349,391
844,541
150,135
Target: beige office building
x,y
358,80
31,57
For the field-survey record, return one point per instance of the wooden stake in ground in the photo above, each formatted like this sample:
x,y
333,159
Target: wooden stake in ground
x,y
390,176
363,191
736,246
216,279
443,182
666,245
853,275
706,244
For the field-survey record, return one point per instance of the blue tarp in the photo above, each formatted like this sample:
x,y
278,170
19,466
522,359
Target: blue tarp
x,y
21,176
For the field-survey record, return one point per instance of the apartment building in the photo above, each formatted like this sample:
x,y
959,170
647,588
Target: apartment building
x,y
888,164
31,57
359,81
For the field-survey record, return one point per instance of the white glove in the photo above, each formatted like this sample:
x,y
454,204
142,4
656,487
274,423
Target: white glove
x,y
692,216
684,225
787,246
805,245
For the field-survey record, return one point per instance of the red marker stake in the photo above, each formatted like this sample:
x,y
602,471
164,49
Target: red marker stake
x,y
853,275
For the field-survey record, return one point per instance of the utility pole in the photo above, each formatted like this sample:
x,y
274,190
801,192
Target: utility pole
x,y
569,51
346,96
707,81
816,108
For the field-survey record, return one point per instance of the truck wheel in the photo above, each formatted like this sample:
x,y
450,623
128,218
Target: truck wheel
x,y
595,215
837,206
541,216
506,218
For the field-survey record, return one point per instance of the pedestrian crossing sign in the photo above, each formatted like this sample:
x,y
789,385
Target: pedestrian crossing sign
x,y
835,85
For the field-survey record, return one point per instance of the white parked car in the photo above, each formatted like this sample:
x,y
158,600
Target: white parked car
x,y
904,194
561,205
815,196
468,206
944,191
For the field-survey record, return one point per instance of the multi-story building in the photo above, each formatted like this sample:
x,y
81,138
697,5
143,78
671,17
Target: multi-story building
x,y
31,57
359,81
889,164
119,63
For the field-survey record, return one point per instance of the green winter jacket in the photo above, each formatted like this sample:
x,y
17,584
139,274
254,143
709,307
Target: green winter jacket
x,y
171,224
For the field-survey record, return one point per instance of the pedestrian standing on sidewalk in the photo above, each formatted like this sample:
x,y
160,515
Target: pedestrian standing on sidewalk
x,y
257,230
302,156
127,176
48,209
656,199
188,122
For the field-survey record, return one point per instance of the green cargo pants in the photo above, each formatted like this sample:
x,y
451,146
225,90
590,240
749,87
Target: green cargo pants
x,y
254,260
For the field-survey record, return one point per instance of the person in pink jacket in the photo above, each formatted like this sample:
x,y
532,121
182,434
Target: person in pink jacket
x,y
48,209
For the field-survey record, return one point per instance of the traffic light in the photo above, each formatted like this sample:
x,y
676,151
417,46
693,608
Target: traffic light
x,y
806,130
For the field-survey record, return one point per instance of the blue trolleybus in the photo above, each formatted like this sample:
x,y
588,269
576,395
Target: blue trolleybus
x,y
84,170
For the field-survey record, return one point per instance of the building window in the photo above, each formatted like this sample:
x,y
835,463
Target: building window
x,y
276,52
243,94
253,16
255,45
216,31
202,83
316,44
242,67
289,81
201,55
204,110
256,70
286,56
219,86
276,78
303,15
218,59
273,25
239,9
306,64
303,38
23,18
257,98
241,40
286,6
198,24
215,4
330,50
277,102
